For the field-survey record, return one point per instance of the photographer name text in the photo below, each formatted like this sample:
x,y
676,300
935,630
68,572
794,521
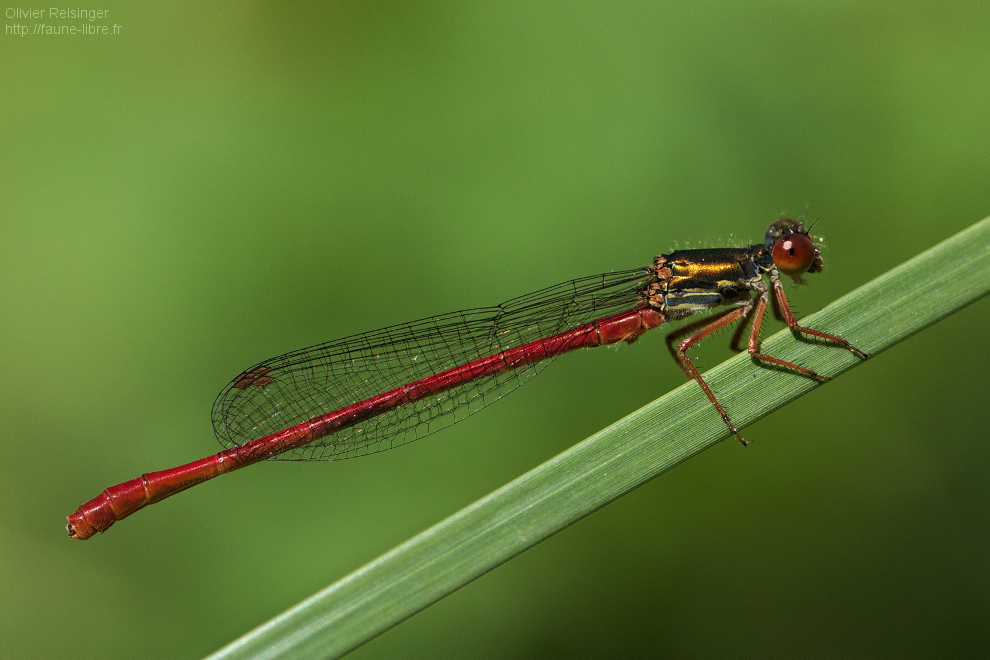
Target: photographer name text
x,y
58,14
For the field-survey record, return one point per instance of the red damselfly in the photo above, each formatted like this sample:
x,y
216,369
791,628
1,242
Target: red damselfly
x,y
374,391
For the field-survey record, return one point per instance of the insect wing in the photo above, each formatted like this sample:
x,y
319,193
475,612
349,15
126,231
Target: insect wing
x,y
295,387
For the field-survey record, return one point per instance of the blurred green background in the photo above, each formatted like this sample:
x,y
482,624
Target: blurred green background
x,y
223,182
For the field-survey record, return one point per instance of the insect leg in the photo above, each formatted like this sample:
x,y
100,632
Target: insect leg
x,y
741,329
720,321
778,291
754,342
688,329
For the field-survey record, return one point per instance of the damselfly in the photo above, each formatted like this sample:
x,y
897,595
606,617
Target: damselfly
x,y
377,390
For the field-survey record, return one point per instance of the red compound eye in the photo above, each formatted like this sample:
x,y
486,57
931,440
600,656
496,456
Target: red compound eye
x,y
793,254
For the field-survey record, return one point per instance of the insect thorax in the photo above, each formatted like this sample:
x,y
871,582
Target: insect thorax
x,y
687,281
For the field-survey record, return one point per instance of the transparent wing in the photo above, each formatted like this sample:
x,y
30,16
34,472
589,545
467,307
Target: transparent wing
x,y
290,389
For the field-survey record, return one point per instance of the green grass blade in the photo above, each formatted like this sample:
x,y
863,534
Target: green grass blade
x,y
616,460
